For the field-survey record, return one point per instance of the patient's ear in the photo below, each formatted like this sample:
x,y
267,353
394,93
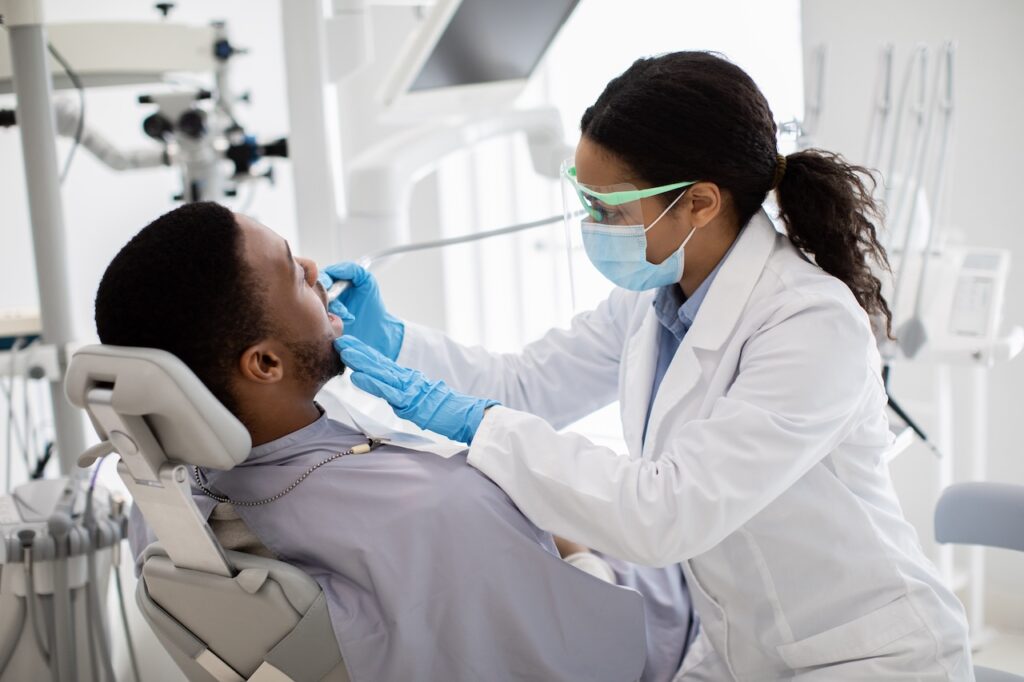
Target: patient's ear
x,y
261,363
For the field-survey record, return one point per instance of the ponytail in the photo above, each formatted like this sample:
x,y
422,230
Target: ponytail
x,y
830,214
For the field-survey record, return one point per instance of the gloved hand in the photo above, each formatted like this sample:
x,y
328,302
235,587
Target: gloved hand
x,y
361,308
431,405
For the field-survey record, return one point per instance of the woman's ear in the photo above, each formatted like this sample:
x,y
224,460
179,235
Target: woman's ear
x,y
705,203
261,363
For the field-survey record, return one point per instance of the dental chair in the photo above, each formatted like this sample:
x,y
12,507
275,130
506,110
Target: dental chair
x,y
987,514
223,616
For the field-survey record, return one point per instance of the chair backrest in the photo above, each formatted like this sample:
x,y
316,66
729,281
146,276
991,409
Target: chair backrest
x,y
159,417
221,615
981,513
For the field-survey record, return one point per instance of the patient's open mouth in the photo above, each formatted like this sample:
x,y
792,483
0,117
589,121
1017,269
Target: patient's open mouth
x,y
336,324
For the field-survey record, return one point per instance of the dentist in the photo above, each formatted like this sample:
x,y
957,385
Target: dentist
x,y
745,363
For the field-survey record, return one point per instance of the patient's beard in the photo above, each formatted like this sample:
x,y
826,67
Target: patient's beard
x,y
316,362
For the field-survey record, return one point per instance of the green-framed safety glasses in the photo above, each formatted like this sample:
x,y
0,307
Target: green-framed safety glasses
x,y
618,204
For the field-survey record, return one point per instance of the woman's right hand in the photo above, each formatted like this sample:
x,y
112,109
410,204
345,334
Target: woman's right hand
x,y
362,310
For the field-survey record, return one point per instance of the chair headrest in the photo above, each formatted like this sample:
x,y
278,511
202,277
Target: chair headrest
x,y
190,424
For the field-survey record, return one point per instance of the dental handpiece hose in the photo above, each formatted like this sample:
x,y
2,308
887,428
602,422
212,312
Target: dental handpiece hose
x,y
339,287
27,539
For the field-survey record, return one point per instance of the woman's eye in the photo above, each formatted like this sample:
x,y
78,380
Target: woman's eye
x,y
602,213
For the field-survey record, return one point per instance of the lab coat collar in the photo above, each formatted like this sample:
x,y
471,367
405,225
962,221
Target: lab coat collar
x,y
734,283
722,307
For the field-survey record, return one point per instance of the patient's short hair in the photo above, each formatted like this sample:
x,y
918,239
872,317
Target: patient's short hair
x,y
182,285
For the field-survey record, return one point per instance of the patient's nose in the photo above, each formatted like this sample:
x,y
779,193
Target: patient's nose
x,y
311,271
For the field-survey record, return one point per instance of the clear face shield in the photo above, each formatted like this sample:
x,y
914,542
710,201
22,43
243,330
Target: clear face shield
x,y
621,214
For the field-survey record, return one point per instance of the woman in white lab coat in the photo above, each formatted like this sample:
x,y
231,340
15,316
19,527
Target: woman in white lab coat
x,y
746,366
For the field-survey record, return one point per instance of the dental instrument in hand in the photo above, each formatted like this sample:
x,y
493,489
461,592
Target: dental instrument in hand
x,y
337,288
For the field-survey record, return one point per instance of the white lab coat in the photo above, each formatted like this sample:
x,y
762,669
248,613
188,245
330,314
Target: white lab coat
x,y
762,470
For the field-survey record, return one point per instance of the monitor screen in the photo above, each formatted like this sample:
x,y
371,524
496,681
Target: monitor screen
x,y
492,40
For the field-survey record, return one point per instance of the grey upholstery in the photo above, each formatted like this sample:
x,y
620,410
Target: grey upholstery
x,y
982,513
269,612
233,533
223,616
982,674
988,514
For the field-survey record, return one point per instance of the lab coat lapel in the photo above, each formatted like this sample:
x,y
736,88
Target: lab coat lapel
x,y
729,293
638,367
718,316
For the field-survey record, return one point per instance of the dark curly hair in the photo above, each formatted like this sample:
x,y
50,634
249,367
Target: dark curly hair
x,y
181,285
695,115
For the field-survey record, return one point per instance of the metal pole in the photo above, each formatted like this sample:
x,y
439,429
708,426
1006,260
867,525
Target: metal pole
x,y
302,25
979,472
33,89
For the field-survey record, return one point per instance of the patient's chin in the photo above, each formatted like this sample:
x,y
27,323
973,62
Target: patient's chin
x,y
331,365
316,362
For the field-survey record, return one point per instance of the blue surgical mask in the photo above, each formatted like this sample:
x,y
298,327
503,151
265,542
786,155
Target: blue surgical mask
x,y
619,252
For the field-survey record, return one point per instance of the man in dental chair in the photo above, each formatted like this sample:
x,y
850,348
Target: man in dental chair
x,y
430,571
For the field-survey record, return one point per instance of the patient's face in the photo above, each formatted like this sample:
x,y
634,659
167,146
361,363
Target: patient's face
x,y
296,304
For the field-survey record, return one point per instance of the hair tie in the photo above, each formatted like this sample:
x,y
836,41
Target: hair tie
x,y
780,170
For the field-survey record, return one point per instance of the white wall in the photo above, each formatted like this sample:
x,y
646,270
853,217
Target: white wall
x,y
986,179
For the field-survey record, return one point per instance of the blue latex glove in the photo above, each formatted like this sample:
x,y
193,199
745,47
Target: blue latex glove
x,y
361,309
431,405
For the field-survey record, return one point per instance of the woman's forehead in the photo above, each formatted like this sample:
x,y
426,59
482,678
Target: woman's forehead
x,y
598,167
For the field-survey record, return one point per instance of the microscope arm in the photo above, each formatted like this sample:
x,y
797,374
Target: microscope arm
x,y
67,125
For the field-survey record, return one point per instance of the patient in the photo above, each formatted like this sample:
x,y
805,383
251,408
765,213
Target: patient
x,y
430,571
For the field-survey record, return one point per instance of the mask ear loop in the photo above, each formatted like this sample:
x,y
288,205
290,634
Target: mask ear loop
x,y
667,209
687,240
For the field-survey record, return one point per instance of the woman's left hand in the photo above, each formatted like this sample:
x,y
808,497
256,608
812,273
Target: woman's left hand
x,y
431,405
